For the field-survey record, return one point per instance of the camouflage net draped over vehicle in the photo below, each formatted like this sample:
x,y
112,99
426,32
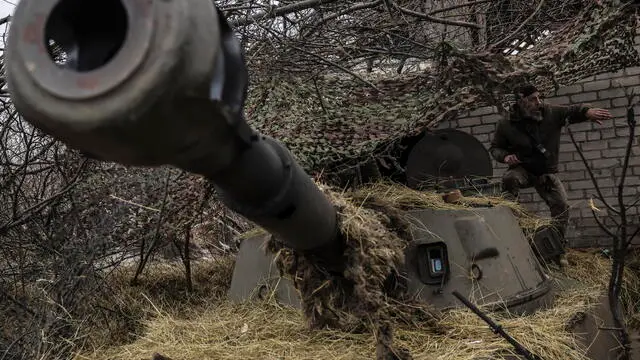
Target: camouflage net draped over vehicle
x,y
333,123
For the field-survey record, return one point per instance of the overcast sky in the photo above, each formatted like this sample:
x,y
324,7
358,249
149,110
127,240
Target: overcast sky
x,y
6,7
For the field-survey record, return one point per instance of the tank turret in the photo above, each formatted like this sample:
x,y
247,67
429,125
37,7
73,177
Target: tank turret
x,y
130,81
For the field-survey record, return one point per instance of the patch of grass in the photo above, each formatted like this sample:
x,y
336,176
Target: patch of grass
x,y
122,316
264,330
405,198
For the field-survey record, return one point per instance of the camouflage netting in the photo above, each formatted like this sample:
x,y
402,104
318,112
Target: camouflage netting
x,y
369,294
332,123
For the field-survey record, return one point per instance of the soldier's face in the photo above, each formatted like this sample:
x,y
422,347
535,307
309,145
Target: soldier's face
x,y
531,103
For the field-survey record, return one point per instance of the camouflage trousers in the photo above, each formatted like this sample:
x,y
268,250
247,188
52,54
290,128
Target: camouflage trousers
x,y
548,186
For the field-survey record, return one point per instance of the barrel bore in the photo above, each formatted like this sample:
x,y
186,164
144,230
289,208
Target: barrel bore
x,y
85,35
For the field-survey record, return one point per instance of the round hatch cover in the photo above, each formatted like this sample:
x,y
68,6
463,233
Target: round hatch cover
x,y
447,154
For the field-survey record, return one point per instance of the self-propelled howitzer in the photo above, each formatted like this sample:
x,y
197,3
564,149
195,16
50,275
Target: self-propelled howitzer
x,y
149,83
153,82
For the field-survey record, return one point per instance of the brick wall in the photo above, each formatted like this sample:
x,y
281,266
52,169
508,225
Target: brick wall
x,y
603,147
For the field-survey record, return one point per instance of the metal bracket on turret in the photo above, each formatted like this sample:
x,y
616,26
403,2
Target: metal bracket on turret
x,y
231,81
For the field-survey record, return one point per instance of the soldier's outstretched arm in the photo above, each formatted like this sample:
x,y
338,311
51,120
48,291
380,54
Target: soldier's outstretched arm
x,y
572,114
569,114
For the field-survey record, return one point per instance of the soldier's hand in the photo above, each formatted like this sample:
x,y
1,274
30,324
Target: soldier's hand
x,y
598,115
511,159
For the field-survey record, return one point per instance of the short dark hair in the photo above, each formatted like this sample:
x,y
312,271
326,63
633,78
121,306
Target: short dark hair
x,y
524,90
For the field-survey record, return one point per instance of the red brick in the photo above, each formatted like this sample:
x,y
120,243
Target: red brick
x,y
613,153
589,155
604,163
635,70
571,89
584,97
620,102
611,93
597,85
575,194
619,112
568,147
628,81
491,119
603,104
483,129
593,135
486,110
610,75
572,175
558,100
617,142
608,133
580,184
471,121
583,126
594,145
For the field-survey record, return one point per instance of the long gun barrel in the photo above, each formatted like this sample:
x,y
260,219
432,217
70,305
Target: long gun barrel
x,y
150,83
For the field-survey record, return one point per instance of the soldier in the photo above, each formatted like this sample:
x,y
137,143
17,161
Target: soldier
x,y
528,140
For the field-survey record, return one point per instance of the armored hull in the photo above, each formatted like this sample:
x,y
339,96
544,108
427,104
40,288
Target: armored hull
x,y
481,253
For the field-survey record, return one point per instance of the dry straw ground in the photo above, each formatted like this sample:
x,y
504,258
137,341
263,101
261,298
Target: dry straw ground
x,y
204,325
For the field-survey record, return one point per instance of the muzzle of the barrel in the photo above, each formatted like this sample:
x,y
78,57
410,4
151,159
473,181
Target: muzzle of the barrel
x,y
147,83
102,75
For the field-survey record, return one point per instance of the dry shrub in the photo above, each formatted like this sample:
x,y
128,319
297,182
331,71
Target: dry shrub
x,y
161,286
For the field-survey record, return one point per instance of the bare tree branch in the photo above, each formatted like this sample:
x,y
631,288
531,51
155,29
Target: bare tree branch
x,y
516,31
433,18
355,7
276,11
590,172
24,216
459,6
